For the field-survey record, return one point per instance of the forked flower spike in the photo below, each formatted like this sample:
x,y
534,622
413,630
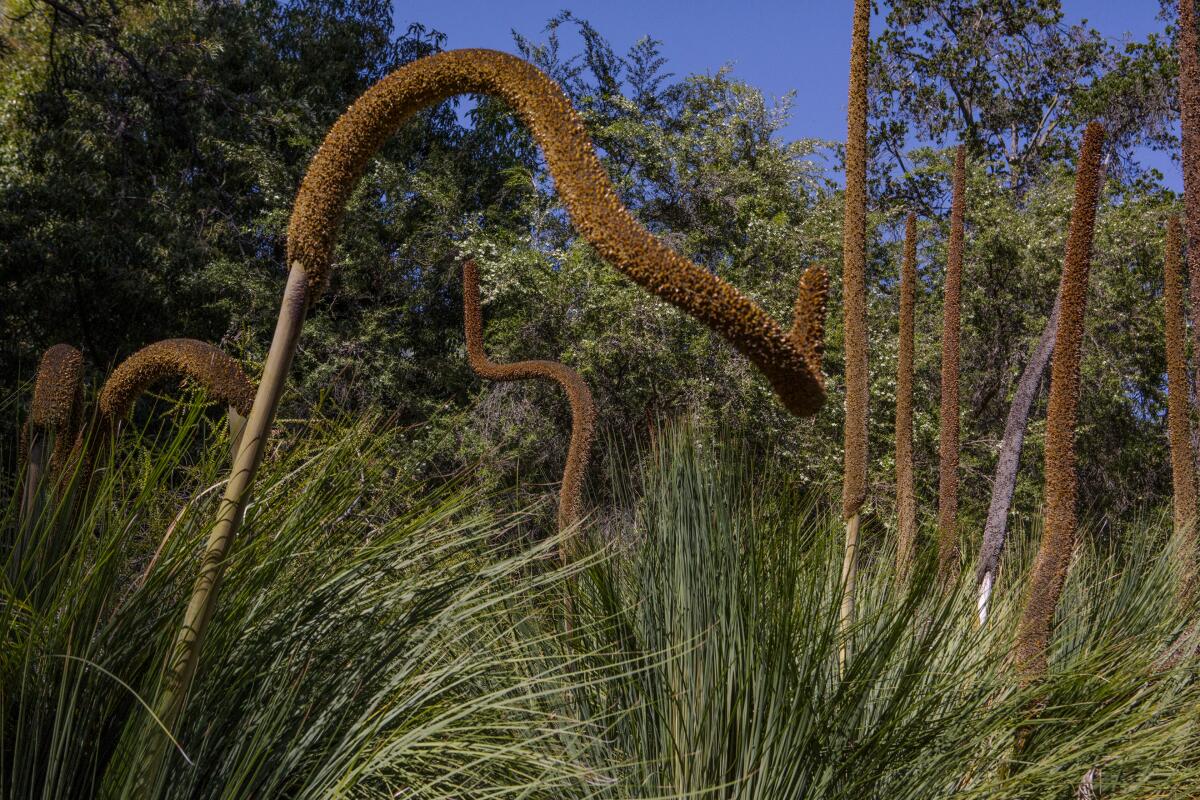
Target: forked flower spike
x,y
583,409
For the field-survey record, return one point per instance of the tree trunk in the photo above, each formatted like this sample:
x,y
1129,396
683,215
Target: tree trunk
x,y
1005,481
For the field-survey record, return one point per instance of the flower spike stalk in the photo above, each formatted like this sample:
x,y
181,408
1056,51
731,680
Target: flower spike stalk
x,y
906,496
854,266
583,409
948,416
594,208
1058,536
1183,464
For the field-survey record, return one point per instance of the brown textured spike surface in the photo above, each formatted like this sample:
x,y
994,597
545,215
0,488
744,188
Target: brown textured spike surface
x,y
58,400
1189,106
583,409
808,325
208,366
948,416
854,265
906,496
580,180
1183,471
1058,534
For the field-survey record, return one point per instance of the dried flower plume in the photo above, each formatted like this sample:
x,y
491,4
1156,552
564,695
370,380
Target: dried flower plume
x,y
948,416
583,409
1058,536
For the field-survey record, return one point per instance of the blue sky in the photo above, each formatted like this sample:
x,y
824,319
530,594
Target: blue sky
x,y
775,45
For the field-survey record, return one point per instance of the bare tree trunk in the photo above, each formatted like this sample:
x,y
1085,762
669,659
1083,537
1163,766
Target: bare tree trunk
x,y
1005,481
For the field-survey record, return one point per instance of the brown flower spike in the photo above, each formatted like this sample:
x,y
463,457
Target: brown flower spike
x,y
583,409
593,206
948,416
1183,471
854,291
57,407
1189,105
854,265
1058,536
208,366
580,180
906,496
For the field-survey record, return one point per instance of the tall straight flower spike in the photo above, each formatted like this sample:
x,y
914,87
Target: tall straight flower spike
x,y
1058,536
1179,426
854,290
593,206
948,416
1189,106
906,495
583,409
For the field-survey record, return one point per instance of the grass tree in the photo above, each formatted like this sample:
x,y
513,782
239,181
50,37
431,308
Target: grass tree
x,y
593,205
906,496
583,407
948,422
1179,426
1058,536
854,292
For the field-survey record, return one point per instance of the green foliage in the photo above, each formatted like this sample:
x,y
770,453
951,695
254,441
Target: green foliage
x,y
378,633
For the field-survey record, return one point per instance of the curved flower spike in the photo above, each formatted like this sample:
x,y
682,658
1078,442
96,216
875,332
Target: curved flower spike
x,y
55,418
580,180
203,363
583,409
57,407
593,206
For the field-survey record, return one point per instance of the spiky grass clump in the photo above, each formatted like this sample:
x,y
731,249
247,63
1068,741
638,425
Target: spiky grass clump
x,y
1058,538
906,495
374,635
714,627
583,408
1179,426
948,557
